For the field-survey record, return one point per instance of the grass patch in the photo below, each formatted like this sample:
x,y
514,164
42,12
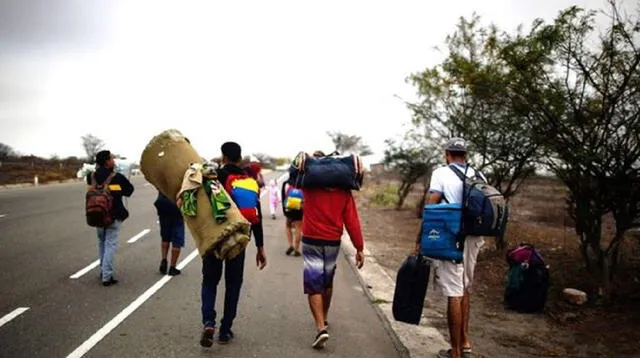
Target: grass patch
x,y
385,196
379,301
16,174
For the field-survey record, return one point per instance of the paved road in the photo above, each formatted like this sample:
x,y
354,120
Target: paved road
x,y
44,240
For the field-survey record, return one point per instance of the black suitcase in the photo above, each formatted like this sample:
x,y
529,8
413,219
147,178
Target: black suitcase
x,y
411,289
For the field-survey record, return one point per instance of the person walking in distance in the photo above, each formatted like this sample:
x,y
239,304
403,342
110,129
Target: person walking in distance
x,y
455,280
233,268
326,212
171,233
292,208
118,186
274,198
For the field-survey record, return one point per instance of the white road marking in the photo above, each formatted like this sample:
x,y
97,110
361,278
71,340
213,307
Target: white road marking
x,y
96,263
120,317
80,273
137,237
15,313
2,215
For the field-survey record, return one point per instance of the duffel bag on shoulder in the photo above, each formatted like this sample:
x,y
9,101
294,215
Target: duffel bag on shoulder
x,y
332,171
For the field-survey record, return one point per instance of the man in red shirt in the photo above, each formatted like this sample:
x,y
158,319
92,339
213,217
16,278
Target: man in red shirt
x,y
326,212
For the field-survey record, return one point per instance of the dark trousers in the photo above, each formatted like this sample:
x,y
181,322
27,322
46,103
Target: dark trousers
x,y
211,274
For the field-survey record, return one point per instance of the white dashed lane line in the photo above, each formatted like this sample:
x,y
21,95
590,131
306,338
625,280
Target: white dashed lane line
x,y
13,314
96,263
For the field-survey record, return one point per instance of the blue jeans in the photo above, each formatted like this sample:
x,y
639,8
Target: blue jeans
x,y
211,274
107,247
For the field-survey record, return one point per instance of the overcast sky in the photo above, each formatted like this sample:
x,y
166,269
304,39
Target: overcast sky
x,y
271,75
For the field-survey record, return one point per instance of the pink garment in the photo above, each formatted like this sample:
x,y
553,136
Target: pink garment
x,y
274,196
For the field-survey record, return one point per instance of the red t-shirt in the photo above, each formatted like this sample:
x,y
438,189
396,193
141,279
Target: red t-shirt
x,y
327,212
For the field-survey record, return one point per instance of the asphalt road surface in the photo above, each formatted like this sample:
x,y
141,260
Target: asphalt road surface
x,y
53,305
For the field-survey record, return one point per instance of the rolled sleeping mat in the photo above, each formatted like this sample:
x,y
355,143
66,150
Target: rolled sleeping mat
x,y
164,162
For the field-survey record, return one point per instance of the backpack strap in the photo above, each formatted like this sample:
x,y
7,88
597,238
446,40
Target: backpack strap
x,y
463,177
93,179
458,172
109,178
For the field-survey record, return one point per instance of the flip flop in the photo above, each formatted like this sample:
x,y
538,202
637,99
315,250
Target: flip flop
x,y
466,352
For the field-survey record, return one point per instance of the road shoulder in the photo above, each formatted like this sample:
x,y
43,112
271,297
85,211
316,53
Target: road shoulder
x,y
423,340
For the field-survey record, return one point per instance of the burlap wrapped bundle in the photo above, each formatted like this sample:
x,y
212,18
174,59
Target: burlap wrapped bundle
x,y
164,162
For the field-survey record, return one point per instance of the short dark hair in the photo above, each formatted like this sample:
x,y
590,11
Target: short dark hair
x,y
103,157
232,151
457,154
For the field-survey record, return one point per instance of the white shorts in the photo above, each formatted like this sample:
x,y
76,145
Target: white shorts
x,y
454,279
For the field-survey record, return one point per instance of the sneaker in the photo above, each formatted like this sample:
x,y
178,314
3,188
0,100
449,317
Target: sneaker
x,y
289,251
444,353
173,271
207,336
225,337
163,267
321,338
297,253
112,281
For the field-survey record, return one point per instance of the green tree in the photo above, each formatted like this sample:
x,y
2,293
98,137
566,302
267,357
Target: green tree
x,y
412,157
585,103
6,151
282,161
347,143
466,96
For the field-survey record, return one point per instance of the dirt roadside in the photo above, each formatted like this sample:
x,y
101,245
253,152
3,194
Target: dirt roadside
x,y
561,330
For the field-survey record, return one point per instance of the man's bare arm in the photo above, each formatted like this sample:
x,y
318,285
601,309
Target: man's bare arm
x,y
434,197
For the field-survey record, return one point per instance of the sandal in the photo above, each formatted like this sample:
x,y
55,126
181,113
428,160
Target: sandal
x,y
446,353
466,352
